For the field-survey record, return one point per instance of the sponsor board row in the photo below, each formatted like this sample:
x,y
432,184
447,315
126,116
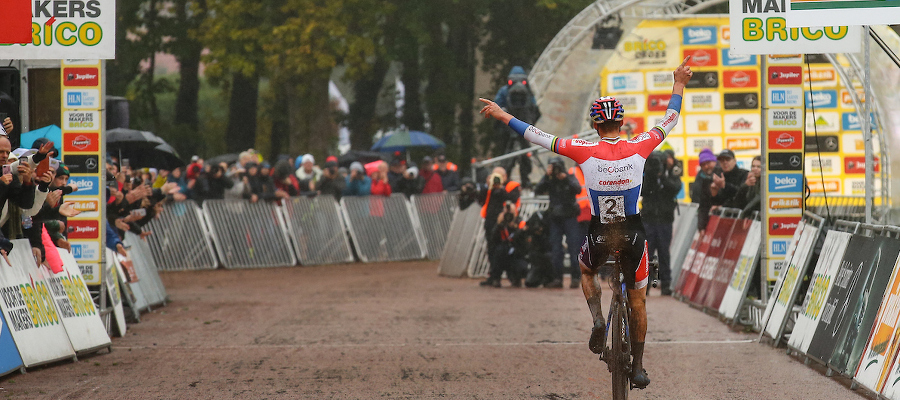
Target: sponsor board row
x,y
694,101
818,77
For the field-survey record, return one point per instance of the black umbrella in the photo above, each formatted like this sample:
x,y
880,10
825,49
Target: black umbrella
x,y
162,156
123,139
229,159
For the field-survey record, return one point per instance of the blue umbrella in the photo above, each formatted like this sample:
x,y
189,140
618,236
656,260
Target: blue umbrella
x,y
50,132
403,140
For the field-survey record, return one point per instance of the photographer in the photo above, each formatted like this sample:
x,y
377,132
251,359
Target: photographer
x,y
358,184
411,183
748,197
468,193
660,188
540,268
331,183
509,248
562,219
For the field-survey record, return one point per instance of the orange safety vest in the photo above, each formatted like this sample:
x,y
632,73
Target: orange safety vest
x,y
510,186
450,166
584,201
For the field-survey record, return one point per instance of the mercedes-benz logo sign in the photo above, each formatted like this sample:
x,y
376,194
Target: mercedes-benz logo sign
x,y
795,161
90,163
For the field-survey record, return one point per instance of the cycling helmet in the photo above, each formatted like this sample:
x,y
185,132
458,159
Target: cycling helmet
x,y
607,108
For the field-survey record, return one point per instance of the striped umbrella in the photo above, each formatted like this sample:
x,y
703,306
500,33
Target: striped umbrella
x,y
402,140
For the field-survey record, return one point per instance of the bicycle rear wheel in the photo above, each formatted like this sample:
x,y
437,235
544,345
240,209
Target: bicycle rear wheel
x,y
619,357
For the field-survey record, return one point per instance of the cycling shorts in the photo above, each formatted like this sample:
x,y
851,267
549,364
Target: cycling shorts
x,y
627,236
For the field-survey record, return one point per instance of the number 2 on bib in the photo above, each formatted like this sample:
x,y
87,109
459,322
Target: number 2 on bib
x,y
612,208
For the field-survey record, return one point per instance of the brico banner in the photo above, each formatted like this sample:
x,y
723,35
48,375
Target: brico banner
x,y
29,307
819,289
760,28
68,29
76,307
785,295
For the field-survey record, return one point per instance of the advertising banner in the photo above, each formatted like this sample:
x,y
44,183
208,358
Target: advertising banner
x,y
720,238
873,366
76,307
68,29
790,247
148,274
745,269
685,269
804,13
787,293
9,354
869,292
759,27
833,324
727,263
692,275
819,289
82,127
111,280
724,102
29,308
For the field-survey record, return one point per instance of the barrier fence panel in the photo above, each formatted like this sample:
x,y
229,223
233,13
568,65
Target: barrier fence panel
x,y
479,264
683,230
179,241
691,272
148,274
460,242
872,369
248,235
382,228
736,292
435,214
111,281
795,270
819,288
727,263
28,306
79,315
771,304
713,254
317,230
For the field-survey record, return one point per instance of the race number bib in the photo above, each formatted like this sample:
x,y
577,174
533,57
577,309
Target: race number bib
x,y
612,208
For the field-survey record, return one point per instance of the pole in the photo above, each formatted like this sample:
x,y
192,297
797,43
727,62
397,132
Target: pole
x,y
866,125
764,184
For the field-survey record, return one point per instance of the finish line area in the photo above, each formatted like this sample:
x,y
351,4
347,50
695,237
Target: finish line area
x,y
397,330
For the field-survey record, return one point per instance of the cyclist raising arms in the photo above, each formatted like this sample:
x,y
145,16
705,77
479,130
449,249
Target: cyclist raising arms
x,y
613,170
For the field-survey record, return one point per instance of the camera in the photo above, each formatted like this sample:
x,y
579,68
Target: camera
x,y
496,179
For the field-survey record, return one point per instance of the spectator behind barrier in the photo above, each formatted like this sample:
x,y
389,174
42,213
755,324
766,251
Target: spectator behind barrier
x,y
659,191
731,179
331,183
395,174
562,219
704,187
284,179
411,183
212,184
748,196
358,184
468,193
380,185
308,174
448,172
433,183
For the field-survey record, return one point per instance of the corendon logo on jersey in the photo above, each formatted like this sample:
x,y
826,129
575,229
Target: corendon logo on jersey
x,y
785,75
615,183
582,143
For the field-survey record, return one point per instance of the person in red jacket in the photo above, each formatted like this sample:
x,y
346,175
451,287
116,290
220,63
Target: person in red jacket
x,y
380,184
433,183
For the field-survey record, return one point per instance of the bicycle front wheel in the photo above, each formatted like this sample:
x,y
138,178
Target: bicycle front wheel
x,y
619,353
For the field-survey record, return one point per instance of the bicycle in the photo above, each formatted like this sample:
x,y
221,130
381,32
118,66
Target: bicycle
x,y
618,355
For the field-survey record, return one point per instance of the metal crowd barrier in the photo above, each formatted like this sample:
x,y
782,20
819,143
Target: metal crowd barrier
x,y
382,228
435,214
179,241
248,235
317,230
461,241
848,208
151,286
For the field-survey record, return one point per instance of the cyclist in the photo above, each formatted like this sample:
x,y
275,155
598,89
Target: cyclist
x,y
613,169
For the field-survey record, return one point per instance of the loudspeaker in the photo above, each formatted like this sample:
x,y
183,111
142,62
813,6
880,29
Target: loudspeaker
x,y
116,112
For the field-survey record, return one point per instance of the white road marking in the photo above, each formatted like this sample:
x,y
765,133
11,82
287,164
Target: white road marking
x,y
461,344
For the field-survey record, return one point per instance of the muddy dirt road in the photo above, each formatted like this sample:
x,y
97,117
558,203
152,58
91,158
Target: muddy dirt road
x,y
399,331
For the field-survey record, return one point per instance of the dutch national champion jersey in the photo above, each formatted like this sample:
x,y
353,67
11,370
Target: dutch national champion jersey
x,y
613,169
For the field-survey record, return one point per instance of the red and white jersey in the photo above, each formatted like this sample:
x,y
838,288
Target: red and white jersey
x,y
613,168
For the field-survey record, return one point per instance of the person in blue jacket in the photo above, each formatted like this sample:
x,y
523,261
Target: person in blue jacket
x,y
358,184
